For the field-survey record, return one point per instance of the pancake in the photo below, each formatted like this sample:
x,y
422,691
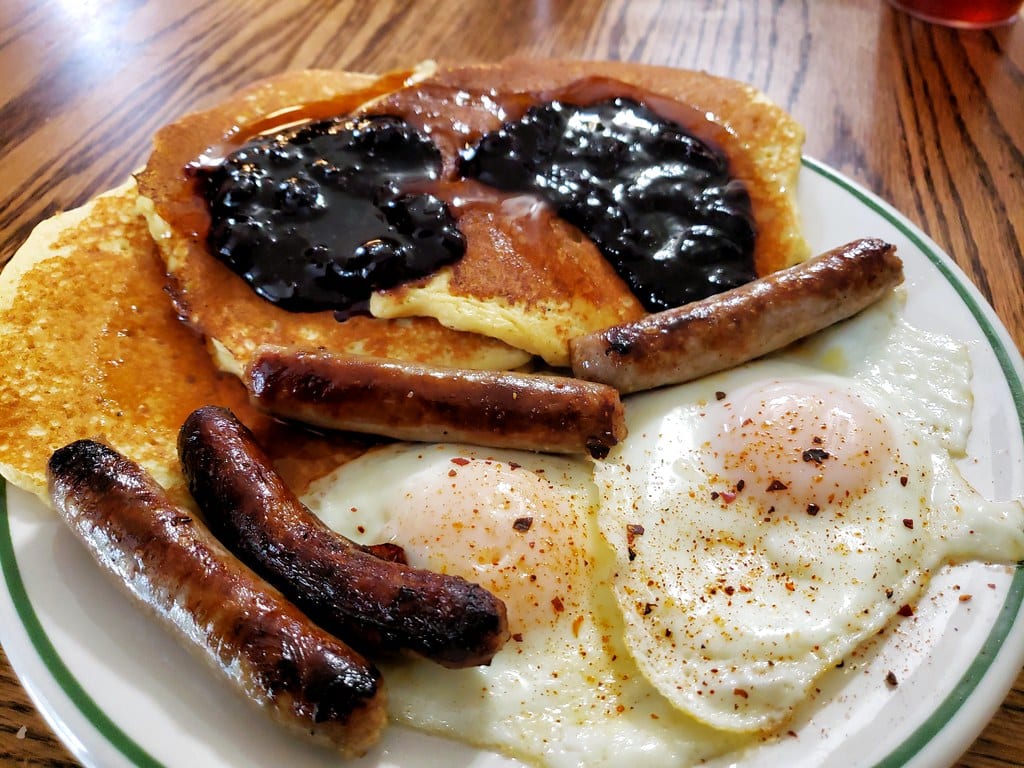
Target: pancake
x,y
528,278
221,306
529,281
90,347
535,288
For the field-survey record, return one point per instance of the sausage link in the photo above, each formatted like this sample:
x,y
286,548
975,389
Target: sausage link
x,y
376,604
741,324
168,560
409,401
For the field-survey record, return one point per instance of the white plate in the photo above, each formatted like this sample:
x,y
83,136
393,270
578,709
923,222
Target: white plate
x,y
120,691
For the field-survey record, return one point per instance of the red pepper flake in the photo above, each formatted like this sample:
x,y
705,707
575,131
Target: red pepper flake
x,y
458,460
729,590
728,497
452,473
908,523
361,529
517,636
965,598
741,693
719,395
813,509
513,465
890,679
790,586
904,480
777,485
557,604
632,531
522,523
817,455
906,610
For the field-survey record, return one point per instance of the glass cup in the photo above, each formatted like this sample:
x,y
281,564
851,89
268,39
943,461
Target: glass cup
x,y
970,14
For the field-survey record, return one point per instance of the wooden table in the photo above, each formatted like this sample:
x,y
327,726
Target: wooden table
x,y
929,118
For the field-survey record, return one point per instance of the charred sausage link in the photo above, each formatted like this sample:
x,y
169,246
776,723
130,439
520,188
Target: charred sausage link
x,y
307,679
411,401
376,604
741,324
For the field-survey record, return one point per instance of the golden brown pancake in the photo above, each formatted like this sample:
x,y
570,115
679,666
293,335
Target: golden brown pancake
x,y
528,278
90,347
218,303
763,143
536,288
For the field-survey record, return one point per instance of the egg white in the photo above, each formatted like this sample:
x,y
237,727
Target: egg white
x,y
564,691
740,580
661,611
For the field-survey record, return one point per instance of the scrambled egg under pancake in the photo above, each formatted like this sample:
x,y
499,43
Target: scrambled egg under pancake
x,y
90,348
218,303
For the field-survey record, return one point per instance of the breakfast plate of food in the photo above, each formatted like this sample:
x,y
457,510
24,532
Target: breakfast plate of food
x,y
604,427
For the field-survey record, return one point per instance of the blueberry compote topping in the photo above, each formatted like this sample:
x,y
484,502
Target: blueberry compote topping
x,y
316,218
658,202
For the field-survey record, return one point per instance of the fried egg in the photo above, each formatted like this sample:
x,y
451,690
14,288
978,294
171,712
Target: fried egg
x,y
564,691
674,603
769,519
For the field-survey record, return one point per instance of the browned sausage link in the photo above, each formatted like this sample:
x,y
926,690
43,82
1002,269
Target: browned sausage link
x,y
375,604
306,679
741,324
420,402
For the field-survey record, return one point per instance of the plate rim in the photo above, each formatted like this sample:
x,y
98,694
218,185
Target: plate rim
x,y
992,650
1009,363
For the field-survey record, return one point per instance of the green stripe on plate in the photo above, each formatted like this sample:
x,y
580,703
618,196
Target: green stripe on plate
x,y
48,654
970,680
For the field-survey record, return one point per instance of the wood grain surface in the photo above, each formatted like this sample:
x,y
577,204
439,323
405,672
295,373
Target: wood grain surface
x,y
931,119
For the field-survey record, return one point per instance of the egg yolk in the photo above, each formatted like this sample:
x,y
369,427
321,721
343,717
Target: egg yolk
x,y
501,526
800,446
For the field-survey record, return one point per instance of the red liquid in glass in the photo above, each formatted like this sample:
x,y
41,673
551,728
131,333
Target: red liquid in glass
x,y
966,13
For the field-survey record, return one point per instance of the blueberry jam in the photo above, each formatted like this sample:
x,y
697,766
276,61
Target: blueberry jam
x,y
659,203
315,218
